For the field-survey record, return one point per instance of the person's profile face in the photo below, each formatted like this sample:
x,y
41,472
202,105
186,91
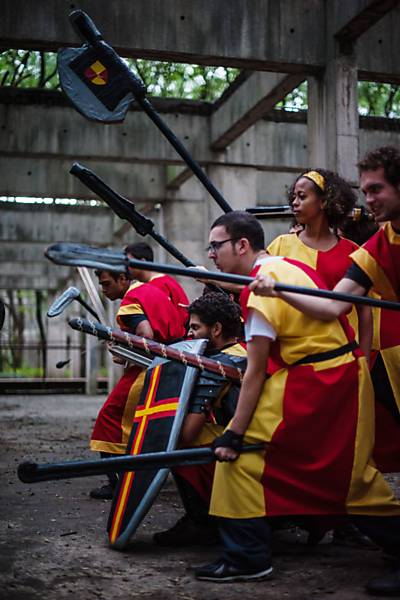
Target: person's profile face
x,y
306,203
197,329
222,249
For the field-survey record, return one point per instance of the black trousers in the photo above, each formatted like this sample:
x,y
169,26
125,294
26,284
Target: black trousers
x,y
247,542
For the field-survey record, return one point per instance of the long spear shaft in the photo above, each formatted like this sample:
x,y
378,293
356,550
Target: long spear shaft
x,y
151,347
31,472
75,254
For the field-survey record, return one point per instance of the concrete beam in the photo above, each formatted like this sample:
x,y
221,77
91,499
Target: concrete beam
x,y
66,136
33,270
24,282
260,93
177,176
41,223
44,177
363,15
36,130
262,34
22,252
378,50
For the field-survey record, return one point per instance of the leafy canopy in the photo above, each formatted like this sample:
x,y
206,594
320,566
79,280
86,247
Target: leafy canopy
x,y
34,69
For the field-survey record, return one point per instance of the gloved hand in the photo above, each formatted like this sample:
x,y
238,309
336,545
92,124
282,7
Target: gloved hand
x,y
228,445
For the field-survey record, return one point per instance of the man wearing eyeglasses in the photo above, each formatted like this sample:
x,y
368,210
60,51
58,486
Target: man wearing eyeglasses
x,y
309,411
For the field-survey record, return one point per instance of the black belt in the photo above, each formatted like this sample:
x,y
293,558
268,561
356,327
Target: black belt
x,y
320,356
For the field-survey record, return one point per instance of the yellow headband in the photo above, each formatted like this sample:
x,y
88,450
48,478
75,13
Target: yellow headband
x,y
318,179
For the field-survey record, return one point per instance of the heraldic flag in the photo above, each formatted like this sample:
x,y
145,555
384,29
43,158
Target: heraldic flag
x,y
98,82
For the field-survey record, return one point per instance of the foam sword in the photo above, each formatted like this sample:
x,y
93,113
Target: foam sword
x,y
108,260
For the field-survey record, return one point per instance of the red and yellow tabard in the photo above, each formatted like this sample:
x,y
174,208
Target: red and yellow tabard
x,y
174,291
379,258
331,265
318,419
147,299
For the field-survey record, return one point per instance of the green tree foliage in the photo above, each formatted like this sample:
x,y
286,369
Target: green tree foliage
x,y
28,69
379,99
33,69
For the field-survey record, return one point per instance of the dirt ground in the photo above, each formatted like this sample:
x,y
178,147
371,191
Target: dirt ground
x,y
52,538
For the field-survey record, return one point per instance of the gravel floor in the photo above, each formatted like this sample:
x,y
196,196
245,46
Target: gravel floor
x,y
52,537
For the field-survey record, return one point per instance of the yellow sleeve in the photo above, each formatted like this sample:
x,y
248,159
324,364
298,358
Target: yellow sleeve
x,y
275,247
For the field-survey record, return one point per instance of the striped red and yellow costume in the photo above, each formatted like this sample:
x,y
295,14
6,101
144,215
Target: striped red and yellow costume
x,y
314,415
174,291
331,266
114,421
379,258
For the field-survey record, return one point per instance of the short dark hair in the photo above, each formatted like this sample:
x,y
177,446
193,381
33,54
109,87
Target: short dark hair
x,y
241,224
217,307
141,251
387,157
114,274
338,195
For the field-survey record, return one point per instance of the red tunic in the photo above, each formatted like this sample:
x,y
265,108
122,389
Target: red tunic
x,y
174,291
379,258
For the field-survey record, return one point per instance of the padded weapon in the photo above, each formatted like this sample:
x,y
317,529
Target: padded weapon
x,y
285,210
75,254
61,302
150,347
31,472
126,210
101,86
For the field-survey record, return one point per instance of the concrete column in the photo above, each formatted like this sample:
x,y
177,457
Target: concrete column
x,y
333,122
238,185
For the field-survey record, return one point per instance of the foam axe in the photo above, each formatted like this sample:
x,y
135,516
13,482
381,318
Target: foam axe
x,y
101,86
99,258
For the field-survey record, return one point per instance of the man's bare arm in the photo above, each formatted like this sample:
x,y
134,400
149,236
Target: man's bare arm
x,y
323,309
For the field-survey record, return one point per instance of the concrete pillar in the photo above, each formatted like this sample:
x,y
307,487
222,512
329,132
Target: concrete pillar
x,y
333,122
238,185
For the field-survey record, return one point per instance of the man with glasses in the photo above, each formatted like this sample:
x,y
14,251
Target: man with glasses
x,y
308,410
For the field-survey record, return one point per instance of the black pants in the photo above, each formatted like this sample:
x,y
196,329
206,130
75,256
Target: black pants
x,y
112,477
196,508
247,542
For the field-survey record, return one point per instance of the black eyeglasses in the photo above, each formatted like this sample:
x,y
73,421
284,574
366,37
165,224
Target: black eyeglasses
x,y
215,246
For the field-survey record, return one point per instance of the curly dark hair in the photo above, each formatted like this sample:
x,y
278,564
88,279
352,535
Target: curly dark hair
x,y
217,307
387,157
340,199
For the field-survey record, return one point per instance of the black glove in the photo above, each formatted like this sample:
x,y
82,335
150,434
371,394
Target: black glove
x,y
229,439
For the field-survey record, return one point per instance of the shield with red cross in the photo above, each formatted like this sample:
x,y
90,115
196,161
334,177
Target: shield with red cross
x,y
156,427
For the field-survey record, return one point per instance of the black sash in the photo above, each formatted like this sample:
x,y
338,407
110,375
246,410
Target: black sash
x,y
320,356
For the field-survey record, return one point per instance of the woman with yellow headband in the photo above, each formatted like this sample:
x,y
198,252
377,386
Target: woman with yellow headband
x,y
321,202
